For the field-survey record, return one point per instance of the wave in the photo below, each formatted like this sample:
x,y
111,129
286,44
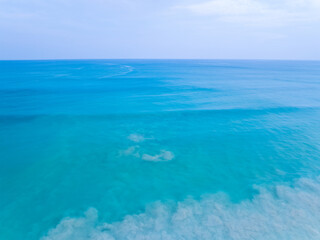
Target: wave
x,y
280,212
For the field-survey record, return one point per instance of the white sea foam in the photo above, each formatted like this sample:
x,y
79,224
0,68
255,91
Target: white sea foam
x,y
162,156
275,213
134,151
131,151
136,137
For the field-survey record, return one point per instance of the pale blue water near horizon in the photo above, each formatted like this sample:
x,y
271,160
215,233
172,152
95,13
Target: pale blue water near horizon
x,y
159,149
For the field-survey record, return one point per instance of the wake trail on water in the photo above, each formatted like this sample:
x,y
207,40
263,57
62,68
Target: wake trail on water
x,y
124,69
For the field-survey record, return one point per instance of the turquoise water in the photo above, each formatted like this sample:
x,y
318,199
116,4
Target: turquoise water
x,y
159,149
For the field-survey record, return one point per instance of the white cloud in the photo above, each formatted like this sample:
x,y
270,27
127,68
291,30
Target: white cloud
x,y
227,7
257,11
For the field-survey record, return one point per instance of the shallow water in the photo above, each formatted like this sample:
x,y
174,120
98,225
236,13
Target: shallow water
x,y
164,149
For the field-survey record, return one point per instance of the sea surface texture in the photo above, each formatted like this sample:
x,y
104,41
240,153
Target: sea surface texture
x,y
159,149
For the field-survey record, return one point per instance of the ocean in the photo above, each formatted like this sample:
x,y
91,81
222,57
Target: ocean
x,y
159,149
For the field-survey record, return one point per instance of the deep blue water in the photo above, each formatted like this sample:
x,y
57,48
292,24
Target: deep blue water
x,y
159,149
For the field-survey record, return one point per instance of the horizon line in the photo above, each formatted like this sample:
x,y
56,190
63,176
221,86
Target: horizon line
x,y
212,59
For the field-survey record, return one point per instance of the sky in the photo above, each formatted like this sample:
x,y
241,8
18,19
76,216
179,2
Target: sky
x,y
197,29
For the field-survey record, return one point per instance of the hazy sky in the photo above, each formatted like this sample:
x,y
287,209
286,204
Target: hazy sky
x,y
245,29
